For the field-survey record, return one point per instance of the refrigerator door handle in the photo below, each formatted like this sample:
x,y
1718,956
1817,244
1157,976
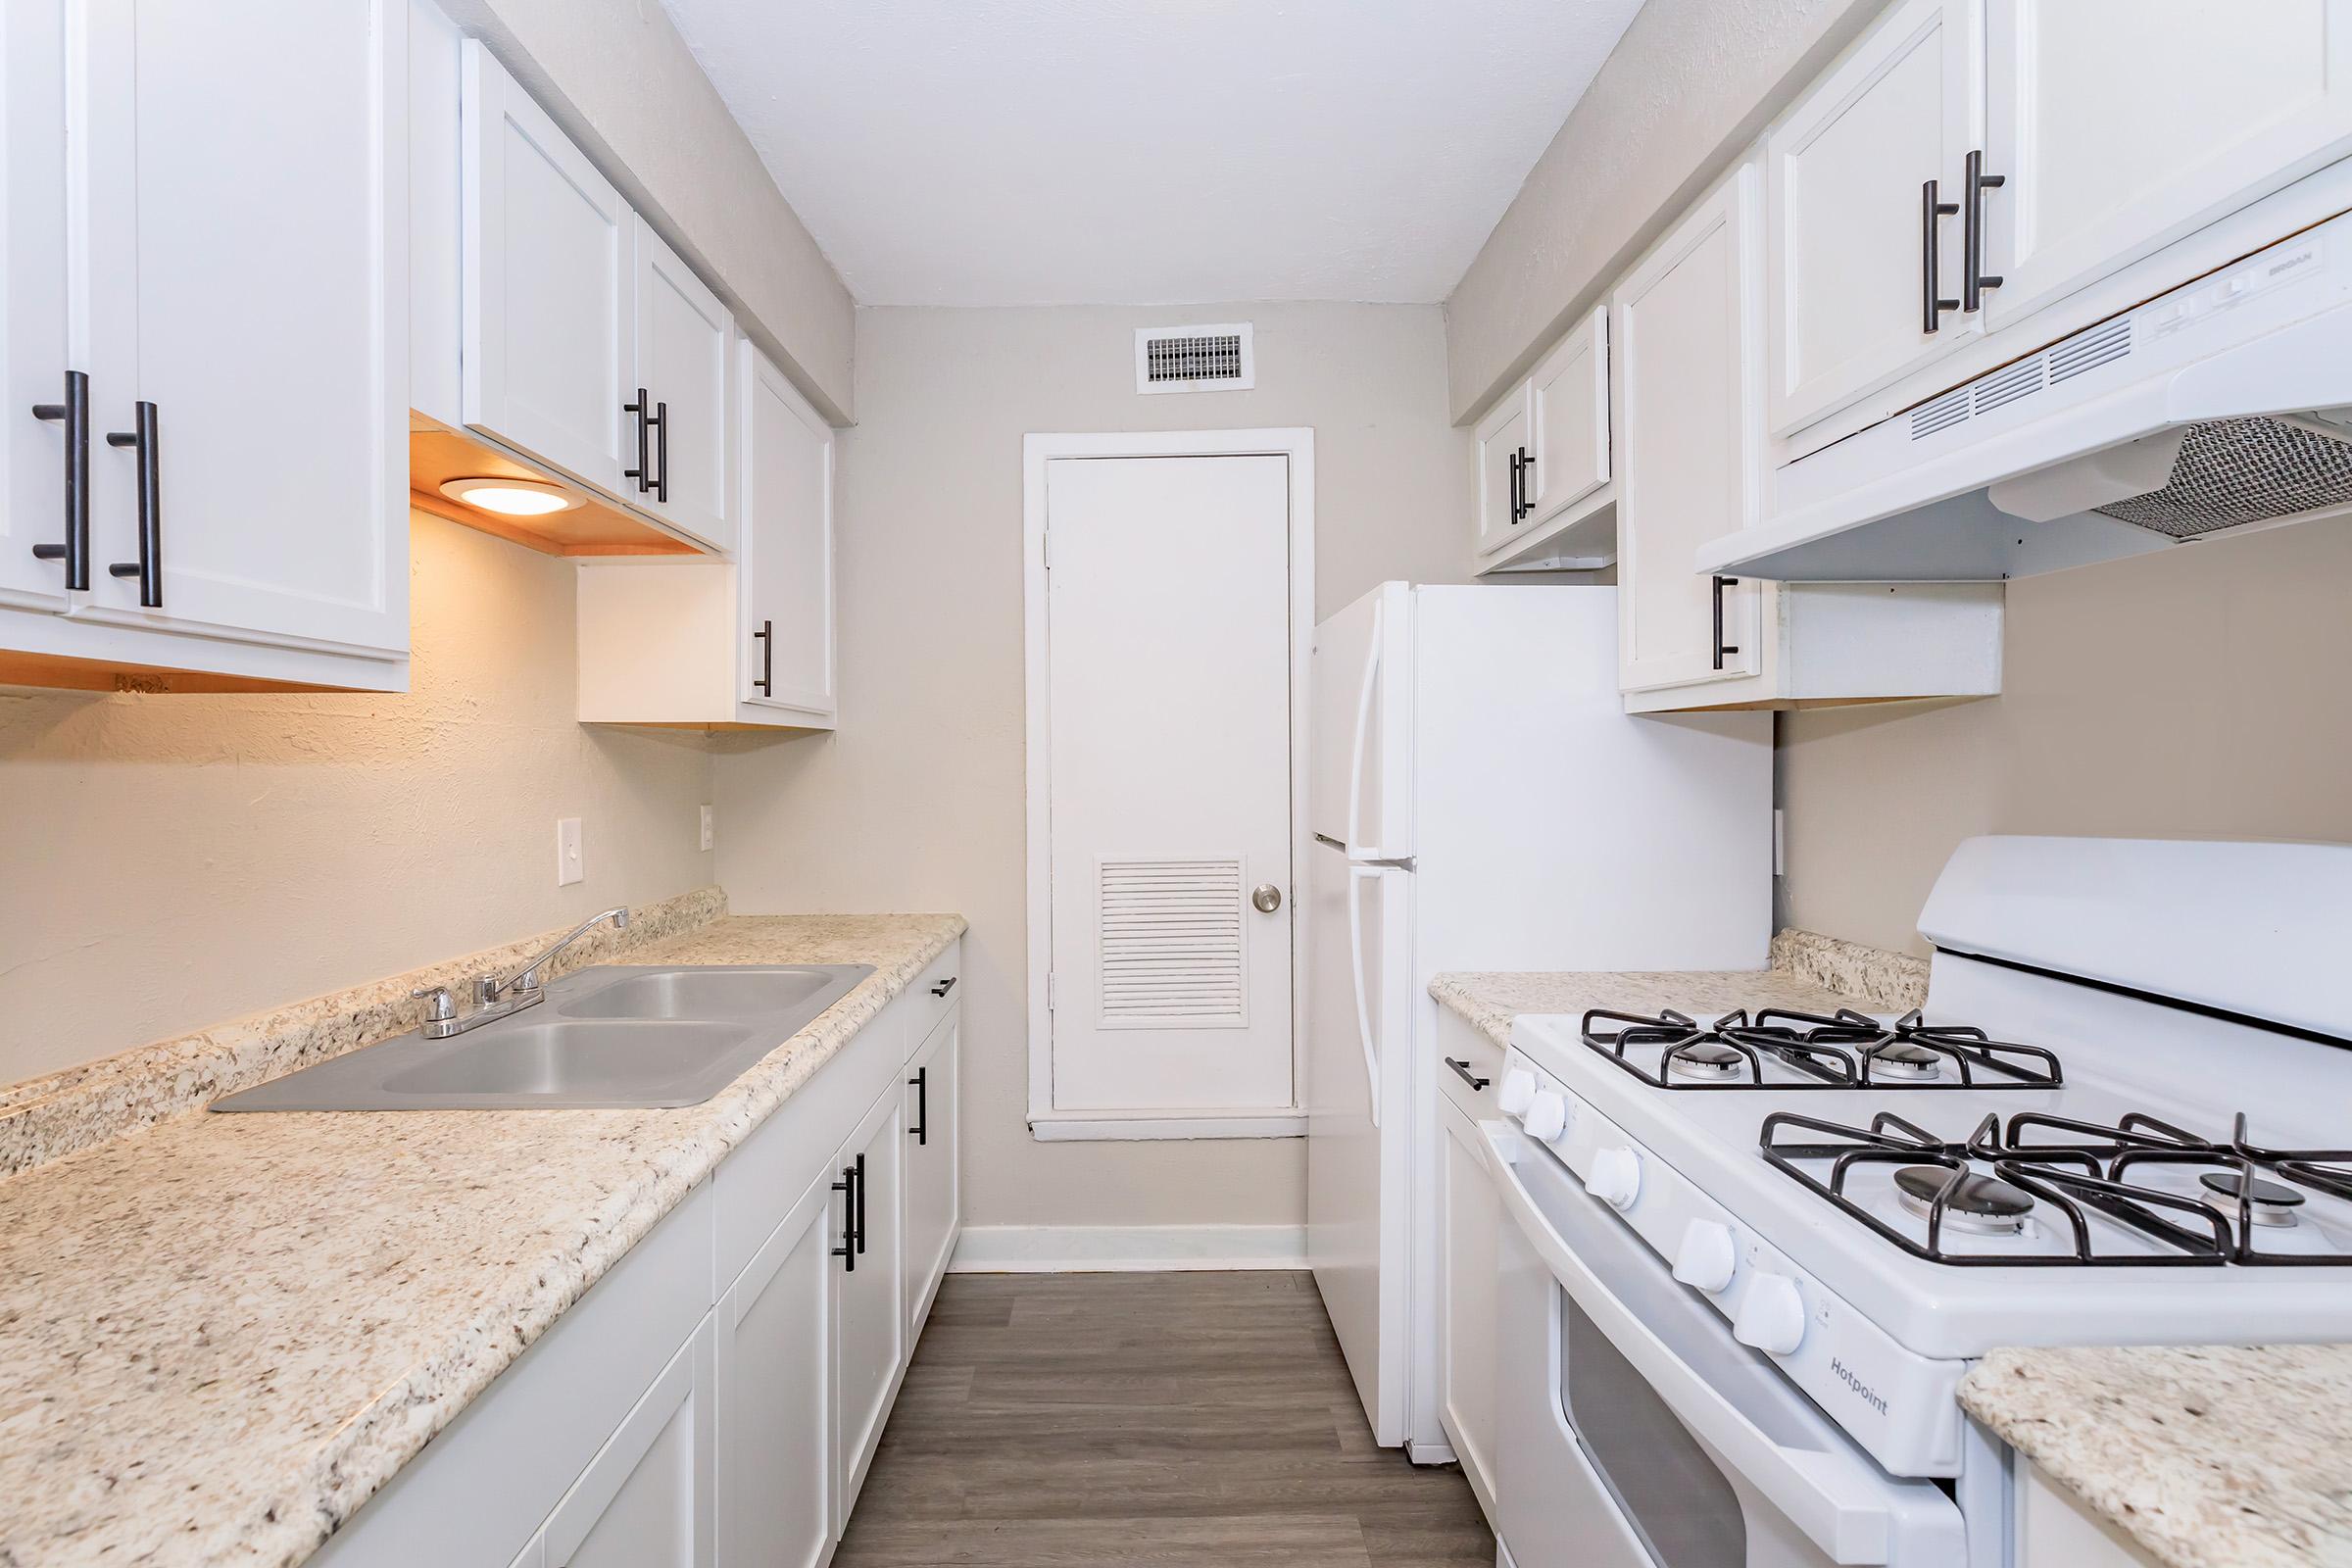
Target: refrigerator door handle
x,y
1363,1011
1363,726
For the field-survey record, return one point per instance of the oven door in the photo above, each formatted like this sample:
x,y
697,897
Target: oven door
x,y
1635,1432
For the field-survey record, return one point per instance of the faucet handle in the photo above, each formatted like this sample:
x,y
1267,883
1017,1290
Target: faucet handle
x,y
442,1005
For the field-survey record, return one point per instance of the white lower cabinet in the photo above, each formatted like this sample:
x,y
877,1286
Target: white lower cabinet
x,y
786,1352
934,1195
2055,1530
1469,1240
870,1335
774,1396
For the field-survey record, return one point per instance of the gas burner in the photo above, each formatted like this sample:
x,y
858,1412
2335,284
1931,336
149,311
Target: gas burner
x,y
2139,1190
2270,1203
1781,1049
1902,1059
1704,1061
1985,1206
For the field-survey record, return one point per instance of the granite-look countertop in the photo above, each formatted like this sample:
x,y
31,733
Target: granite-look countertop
x,y
2208,1456
1814,973
221,1335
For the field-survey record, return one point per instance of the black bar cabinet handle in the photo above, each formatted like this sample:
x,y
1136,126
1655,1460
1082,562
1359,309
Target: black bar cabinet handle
x,y
767,634
643,472
1973,280
661,453
76,412
1514,463
860,1199
1932,303
149,568
1721,647
920,1083
1461,1070
848,1248
943,987
1526,483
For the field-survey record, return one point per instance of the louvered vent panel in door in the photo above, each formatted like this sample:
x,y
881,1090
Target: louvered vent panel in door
x,y
1169,935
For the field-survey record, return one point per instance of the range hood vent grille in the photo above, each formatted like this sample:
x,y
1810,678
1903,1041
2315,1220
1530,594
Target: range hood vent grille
x,y
2234,471
2079,355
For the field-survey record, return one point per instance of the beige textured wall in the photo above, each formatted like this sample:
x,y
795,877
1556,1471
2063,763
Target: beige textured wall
x,y
176,861
621,83
2192,694
1691,83
916,803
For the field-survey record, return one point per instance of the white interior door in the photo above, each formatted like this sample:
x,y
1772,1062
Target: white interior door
x,y
2119,124
1168,692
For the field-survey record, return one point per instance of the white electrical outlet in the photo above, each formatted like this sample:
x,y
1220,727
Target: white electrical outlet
x,y
568,867
705,827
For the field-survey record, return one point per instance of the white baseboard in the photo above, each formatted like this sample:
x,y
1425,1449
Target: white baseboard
x,y
1125,1249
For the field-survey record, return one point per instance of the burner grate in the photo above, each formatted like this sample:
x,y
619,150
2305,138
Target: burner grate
x,y
1846,1049
2074,1166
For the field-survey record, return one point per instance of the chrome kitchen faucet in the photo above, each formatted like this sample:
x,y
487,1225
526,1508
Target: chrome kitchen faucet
x,y
495,999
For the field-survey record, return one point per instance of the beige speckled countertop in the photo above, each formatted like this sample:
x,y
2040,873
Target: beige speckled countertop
x,y
221,1335
2209,1456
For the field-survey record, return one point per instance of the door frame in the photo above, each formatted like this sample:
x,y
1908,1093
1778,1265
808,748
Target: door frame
x,y
1297,444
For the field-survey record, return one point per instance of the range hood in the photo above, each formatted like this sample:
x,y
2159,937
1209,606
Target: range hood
x,y
2223,405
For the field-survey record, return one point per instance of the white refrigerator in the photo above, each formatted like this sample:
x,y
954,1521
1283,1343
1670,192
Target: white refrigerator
x,y
1480,801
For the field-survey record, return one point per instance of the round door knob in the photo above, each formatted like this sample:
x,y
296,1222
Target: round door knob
x,y
1772,1316
1518,1092
1615,1178
1266,897
1547,1115
1707,1257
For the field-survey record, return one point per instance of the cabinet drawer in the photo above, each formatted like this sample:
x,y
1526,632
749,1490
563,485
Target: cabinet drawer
x,y
936,989
1472,1085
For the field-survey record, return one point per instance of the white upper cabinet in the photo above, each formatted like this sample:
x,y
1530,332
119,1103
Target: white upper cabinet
x,y
1568,414
1687,444
1864,251
1502,438
786,555
36,510
549,319
205,338
2116,126
680,433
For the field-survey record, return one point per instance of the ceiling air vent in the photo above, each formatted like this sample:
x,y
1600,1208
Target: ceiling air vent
x,y
1195,359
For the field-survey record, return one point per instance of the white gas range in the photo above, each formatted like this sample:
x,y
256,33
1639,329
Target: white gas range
x,y
1754,1255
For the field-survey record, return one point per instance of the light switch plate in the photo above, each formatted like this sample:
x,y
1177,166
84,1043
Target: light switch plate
x,y
569,867
705,827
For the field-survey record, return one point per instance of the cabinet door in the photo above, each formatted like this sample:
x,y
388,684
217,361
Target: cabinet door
x,y
548,323
1467,1274
245,272
644,1500
1503,444
773,1396
683,336
933,1197
2120,124
1568,400
868,1304
33,350
1687,445
786,548
1849,259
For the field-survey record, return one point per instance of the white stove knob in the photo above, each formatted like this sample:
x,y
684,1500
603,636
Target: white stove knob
x,y
1615,1178
1707,1257
1518,1090
1547,1115
1771,1315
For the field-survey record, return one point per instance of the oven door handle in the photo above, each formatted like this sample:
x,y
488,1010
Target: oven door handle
x,y
1840,1500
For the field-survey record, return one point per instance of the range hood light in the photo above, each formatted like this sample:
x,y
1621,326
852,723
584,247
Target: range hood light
x,y
512,498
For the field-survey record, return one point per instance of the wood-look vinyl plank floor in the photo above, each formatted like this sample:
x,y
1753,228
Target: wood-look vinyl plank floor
x,y
1145,1421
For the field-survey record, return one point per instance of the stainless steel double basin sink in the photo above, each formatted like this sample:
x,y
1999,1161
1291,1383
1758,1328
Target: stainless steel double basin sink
x,y
610,1037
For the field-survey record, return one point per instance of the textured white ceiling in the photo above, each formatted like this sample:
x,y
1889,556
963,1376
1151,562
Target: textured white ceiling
x,y
1035,152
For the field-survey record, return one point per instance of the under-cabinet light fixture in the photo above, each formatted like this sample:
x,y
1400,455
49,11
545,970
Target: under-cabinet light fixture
x,y
512,498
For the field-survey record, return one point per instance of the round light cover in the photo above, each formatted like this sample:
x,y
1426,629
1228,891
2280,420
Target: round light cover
x,y
512,498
